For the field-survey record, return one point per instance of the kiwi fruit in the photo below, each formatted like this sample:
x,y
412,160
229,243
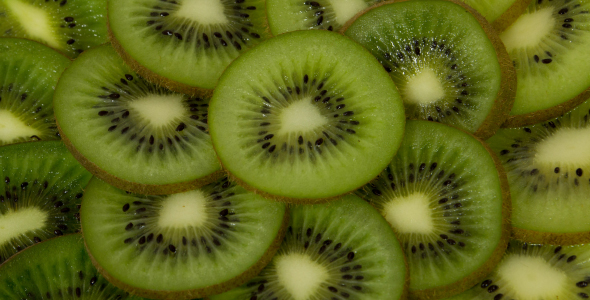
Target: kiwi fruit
x,y
500,13
154,35
306,109
184,245
548,46
331,253
446,60
548,169
69,26
40,194
135,135
28,75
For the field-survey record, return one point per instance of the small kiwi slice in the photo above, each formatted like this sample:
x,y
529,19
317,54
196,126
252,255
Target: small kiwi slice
x,y
183,245
133,134
548,167
331,253
500,13
449,205
68,26
548,45
28,75
534,271
56,269
305,116
205,35
39,194
445,59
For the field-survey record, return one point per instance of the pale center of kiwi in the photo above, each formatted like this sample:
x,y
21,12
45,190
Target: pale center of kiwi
x,y
410,214
301,276
568,146
183,210
159,110
529,29
300,116
346,9
12,128
14,223
532,278
34,20
204,12
424,88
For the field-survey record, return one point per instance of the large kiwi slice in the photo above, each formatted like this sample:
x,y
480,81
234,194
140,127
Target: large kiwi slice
x,y
184,245
445,59
549,47
28,75
306,115
548,167
68,26
56,269
40,194
154,35
135,135
339,250
449,206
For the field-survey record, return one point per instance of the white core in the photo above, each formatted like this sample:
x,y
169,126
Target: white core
x,y
204,12
424,87
183,210
346,9
300,276
529,29
567,146
410,214
532,278
16,222
160,110
300,116
35,21
12,128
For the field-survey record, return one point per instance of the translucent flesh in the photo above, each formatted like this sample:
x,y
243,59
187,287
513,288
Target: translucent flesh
x,y
491,9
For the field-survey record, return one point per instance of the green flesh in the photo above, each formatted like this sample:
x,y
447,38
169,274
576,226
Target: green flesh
x,y
70,27
205,35
28,75
491,9
180,242
443,198
358,254
56,269
439,57
548,168
39,195
313,120
159,137
549,46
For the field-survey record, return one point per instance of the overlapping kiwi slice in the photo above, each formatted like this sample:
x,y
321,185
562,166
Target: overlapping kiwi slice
x,y
549,45
548,167
448,205
305,116
331,253
28,75
445,59
154,35
68,26
40,194
184,245
133,134
500,13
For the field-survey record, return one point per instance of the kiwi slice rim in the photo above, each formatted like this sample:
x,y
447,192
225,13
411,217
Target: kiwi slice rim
x,y
510,15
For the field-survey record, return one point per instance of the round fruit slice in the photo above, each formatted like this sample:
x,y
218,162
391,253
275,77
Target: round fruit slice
x,y
135,135
448,205
184,245
306,115
446,60
331,253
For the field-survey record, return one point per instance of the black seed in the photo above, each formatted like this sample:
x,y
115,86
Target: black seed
x,y
159,239
350,255
563,11
568,20
65,210
579,172
536,57
180,127
547,60
556,170
492,288
498,296
58,232
571,258
319,141
557,249
129,226
320,20
350,131
333,289
172,248
150,237
583,295
37,239
337,247
582,284
103,113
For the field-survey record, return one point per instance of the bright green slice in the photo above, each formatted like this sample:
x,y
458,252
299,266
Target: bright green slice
x,y
304,116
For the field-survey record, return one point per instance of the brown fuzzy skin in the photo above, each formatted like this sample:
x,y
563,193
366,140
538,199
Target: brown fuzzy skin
x,y
206,291
563,239
509,16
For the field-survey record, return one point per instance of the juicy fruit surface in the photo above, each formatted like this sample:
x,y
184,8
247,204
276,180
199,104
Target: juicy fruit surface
x,y
491,9
279,124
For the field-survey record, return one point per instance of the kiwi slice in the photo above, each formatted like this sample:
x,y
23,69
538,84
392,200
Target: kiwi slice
x,y
548,167
534,271
500,13
445,59
448,204
183,245
331,253
548,45
28,75
39,194
154,35
133,134
56,269
68,26
304,116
